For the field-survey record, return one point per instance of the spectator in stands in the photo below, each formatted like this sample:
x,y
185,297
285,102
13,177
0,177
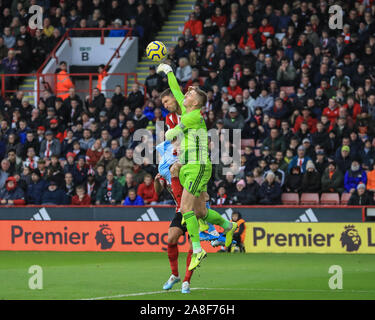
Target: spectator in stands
x,y
133,199
354,176
265,101
332,179
195,25
360,197
135,98
50,146
241,196
343,158
64,83
293,181
94,153
10,65
153,81
147,191
234,120
81,198
53,195
222,198
183,71
36,188
4,172
15,163
11,194
270,191
279,174
110,191
300,160
311,180
107,160
3,49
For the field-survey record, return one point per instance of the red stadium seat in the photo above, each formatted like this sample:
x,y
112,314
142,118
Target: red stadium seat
x,y
345,198
330,199
290,198
310,199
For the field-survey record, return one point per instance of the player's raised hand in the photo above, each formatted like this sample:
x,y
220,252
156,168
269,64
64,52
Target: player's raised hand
x,y
163,67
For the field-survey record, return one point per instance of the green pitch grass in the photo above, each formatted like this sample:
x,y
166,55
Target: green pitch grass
x,y
110,275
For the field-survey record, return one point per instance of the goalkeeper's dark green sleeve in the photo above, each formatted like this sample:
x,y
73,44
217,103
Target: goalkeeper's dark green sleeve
x,y
175,87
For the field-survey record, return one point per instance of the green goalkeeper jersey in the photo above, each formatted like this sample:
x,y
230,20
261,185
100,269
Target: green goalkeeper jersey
x,y
194,143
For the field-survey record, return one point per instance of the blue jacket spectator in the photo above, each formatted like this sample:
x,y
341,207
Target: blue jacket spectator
x,y
54,196
300,160
354,176
133,199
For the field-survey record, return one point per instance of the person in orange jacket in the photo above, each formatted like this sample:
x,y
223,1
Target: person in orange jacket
x,y
102,74
370,186
63,81
239,234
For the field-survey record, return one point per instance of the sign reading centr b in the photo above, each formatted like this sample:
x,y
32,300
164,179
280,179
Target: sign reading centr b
x,y
91,52
310,237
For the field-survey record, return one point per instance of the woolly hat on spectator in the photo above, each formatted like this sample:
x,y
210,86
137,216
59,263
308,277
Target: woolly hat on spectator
x,y
310,164
345,148
49,133
70,154
54,121
102,114
232,109
306,140
241,182
361,185
41,128
37,172
301,148
249,174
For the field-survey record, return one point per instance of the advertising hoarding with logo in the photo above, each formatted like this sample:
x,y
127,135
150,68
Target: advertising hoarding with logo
x,y
166,213
127,236
310,237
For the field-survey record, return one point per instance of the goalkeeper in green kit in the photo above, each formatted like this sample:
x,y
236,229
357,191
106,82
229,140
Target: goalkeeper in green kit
x,y
196,166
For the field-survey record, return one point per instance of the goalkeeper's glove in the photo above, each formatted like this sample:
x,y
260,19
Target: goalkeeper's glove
x,y
170,134
163,67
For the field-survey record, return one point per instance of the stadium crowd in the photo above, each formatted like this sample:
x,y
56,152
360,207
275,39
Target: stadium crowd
x,y
302,94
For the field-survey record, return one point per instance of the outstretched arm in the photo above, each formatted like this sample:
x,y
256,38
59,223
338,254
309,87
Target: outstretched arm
x,y
173,84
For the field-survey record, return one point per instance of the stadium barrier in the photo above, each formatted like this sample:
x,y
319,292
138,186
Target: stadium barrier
x,y
126,236
142,236
284,213
273,229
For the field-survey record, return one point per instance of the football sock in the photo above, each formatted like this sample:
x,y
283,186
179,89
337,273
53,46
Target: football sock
x,y
192,226
188,273
214,217
173,258
177,190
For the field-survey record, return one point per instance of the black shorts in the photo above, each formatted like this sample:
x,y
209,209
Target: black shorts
x,y
176,222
